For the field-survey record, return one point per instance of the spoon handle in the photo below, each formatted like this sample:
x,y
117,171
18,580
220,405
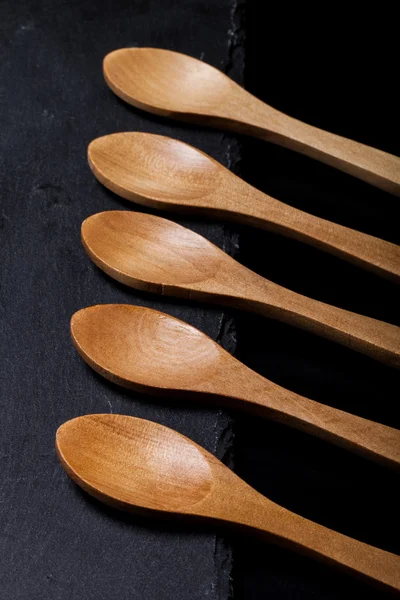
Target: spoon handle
x,y
364,437
375,338
364,250
369,164
306,537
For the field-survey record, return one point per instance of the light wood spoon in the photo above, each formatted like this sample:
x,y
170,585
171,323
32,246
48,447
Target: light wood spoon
x,y
166,174
179,86
149,351
141,466
157,255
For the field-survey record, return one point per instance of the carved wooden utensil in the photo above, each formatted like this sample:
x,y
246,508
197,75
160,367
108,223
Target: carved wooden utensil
x,y
179,86
138,465
157,255
149,351
163,173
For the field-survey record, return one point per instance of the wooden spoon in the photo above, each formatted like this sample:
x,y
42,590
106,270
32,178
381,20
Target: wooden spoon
x,y
153,254
179,86
146,350
138,465
160,172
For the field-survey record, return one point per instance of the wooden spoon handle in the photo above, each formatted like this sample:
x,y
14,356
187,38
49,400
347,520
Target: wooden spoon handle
x,y
372,337
369,164
364,250
304,536
369,439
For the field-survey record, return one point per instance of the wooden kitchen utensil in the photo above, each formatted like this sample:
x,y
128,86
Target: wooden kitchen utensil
x,y
149,351
157,255
166,174
179,86
138,465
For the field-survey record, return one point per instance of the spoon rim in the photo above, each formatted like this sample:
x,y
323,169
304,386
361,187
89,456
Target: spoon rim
x,y
214,254
149,197
166,390
96,491
155,107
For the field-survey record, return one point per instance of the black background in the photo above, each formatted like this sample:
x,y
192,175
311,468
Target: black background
x,y
327,69
336,71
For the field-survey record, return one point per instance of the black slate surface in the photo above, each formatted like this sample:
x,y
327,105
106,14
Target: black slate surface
x,y
54,541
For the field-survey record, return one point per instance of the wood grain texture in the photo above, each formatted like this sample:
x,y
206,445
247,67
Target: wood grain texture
x,y
167,174
180,86
149,351
154,254
138,465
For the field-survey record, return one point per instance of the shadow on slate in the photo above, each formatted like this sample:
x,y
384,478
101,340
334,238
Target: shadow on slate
x,y
54,542
325,70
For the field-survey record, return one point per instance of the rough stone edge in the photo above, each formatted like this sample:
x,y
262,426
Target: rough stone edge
x,y
224,436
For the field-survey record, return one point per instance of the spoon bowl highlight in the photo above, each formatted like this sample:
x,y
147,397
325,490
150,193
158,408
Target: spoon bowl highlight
x,y
123,460
142,348
153,167
188,85
122,245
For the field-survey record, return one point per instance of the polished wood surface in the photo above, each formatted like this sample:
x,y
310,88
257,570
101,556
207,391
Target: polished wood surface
x,y
138,465
149,351
180,86
157,255
167,174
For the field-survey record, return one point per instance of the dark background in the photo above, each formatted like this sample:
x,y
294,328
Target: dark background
x,y
334,70
327,69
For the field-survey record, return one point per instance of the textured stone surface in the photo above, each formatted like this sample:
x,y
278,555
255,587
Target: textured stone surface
x,y
54,541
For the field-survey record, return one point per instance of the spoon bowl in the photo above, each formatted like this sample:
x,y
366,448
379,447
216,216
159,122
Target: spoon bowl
x,y
141,456
189,86
140,166
144,349
122,244
138,465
